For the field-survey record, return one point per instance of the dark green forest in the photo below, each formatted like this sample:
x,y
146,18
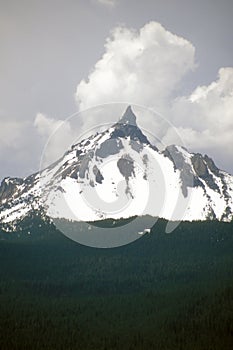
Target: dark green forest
x,y
164,291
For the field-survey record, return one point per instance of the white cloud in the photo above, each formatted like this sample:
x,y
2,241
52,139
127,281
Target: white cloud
x,y
18,148
11,133
45,125
110,3
205,118
145,68
56,135
142,67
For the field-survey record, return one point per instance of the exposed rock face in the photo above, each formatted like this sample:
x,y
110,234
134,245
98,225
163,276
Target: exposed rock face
x,y
98,176
9,187
128,117
201,168
109,147
211,165
126,166
127,127
188,178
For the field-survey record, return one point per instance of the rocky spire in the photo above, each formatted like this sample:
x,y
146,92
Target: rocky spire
x,y
128,117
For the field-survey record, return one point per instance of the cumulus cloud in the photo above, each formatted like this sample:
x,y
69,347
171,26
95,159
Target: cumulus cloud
x,y
145,68
141,67
205,118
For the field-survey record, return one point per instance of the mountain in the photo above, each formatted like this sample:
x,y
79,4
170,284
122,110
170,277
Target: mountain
x,y
118,174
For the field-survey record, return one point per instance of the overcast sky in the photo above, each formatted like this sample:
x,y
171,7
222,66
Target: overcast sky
x,y
58,57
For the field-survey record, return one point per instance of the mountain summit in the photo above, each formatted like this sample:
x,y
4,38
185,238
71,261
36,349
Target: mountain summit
x,y
119,174
127,127
128,117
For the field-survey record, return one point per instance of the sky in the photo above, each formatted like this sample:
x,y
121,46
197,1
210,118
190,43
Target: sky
x,y
61,57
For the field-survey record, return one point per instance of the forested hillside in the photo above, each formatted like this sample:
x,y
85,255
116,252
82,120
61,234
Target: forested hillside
x,y
164,291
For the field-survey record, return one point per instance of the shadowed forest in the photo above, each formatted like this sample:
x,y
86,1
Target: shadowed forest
x,y
164,291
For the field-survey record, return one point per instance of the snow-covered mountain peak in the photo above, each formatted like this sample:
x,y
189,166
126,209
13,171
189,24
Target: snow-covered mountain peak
x,y
119,173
